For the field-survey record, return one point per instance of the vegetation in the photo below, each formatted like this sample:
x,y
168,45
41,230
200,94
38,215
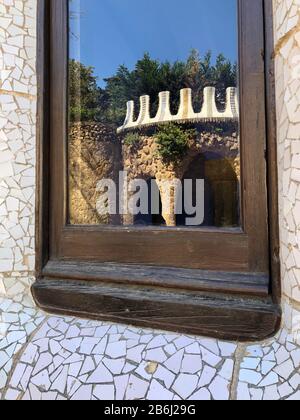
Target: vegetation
x,y
84,93
148,77
173,141
132,139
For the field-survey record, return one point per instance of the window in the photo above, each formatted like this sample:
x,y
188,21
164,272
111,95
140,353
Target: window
x,y
157,186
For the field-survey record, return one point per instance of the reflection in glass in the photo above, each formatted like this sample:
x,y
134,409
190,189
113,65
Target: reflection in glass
x,y
153,102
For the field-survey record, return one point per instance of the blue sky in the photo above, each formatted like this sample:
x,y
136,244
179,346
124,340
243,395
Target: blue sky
x,y
114,32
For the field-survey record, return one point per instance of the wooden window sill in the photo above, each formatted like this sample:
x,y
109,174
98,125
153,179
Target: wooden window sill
x,y
228,306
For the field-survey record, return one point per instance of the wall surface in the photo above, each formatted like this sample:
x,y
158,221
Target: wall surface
x,y
46,357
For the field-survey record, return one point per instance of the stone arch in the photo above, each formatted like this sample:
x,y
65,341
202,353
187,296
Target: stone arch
x,y
221,189
151,219
224,182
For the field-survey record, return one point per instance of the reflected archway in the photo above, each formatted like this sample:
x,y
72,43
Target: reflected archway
x,y
221,197
151,219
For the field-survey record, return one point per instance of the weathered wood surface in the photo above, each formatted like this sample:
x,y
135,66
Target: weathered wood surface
x,y
191,313
254,284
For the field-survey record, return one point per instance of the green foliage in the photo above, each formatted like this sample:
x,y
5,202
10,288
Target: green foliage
x,y
173,141
132,139
149,77
219,130
84,93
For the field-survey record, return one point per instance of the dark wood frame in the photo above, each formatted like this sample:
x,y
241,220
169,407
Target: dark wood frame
x,y
233,292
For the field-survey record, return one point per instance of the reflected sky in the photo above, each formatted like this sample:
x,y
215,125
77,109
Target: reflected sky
x,y
108,33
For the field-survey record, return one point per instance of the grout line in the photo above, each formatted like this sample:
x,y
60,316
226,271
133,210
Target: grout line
x,y
17,358
238,358
18,94
285,39
292,302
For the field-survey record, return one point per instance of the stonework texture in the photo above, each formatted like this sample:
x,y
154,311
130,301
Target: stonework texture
x,y
94,154
47,357
142,161
97,153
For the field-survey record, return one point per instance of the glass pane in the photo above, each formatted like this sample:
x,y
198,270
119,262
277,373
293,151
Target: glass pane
x,y
153,113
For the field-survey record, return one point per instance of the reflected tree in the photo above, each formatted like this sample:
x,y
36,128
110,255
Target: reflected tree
x,y
89,102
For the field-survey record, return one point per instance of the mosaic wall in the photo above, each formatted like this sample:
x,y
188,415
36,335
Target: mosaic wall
x,y
46,357
288,114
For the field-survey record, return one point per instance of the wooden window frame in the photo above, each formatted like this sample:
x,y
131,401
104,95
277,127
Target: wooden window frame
x,y
233,290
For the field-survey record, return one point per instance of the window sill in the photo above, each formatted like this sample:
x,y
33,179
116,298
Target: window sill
x,y
226,306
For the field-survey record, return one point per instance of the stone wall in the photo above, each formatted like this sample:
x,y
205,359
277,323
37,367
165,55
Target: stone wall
x,y
94,154
46,357
143,161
